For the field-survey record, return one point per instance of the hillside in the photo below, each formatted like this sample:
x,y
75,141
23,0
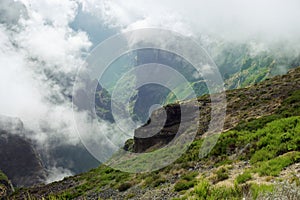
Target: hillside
x,y
257,155
242,105
237,64
19,159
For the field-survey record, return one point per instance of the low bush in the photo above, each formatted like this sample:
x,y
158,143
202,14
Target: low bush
x,y
189,176
158,182
3,176
183,185
124,186
220,175
275,166
202,189
243,178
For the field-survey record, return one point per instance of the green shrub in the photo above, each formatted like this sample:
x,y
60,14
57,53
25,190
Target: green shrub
x,y
259,190
3,176
150,179
189,176
131,195
256,124
275,166
124,186
158,182
221,175
202,189
183,185
291,105
225,193
243,178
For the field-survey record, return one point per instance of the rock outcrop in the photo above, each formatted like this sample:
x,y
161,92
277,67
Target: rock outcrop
x,y
19,160
242,105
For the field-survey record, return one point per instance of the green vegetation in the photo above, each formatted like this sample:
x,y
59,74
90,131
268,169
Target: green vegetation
x,y
204,190
266,145
260,190
183,185
154,180
243,178
124,186
274,166
96,179
3,177
221,175
3,184
186,182
269,143
261,146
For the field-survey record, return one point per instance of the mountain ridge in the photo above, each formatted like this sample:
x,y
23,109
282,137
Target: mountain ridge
x,y
236,157
256,96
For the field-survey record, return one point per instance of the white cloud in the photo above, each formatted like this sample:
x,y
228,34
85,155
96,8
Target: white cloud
x,y
57,174
42,46
10,11
39,57
234,20
18,89
57,12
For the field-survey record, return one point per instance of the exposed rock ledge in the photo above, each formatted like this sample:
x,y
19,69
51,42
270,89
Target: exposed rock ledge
x,y
242,104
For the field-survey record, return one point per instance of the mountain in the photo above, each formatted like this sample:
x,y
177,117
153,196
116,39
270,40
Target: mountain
x,y
242,105
19,159
240,65
257,156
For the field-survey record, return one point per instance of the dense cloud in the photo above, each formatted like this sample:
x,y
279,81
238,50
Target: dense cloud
x,y
40,48
270,22
39,57
11,11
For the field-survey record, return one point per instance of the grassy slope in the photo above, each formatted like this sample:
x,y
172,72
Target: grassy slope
x,y
255,152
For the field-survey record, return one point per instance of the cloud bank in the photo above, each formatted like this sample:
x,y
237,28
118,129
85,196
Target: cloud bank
x,y
269,22
39,58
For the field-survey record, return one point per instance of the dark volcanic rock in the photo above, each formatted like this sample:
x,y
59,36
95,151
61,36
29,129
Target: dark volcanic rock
x,y
19,160
164,125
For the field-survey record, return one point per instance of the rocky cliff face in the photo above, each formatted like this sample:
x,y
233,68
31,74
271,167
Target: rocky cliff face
x,y
263,99
19,160
84,99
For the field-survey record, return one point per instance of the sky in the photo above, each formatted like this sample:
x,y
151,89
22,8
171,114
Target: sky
x,y
43,43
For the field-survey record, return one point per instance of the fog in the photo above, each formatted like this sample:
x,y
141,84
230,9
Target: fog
x,y
41,51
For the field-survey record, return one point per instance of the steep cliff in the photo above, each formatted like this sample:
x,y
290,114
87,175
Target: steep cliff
x,y
19,160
